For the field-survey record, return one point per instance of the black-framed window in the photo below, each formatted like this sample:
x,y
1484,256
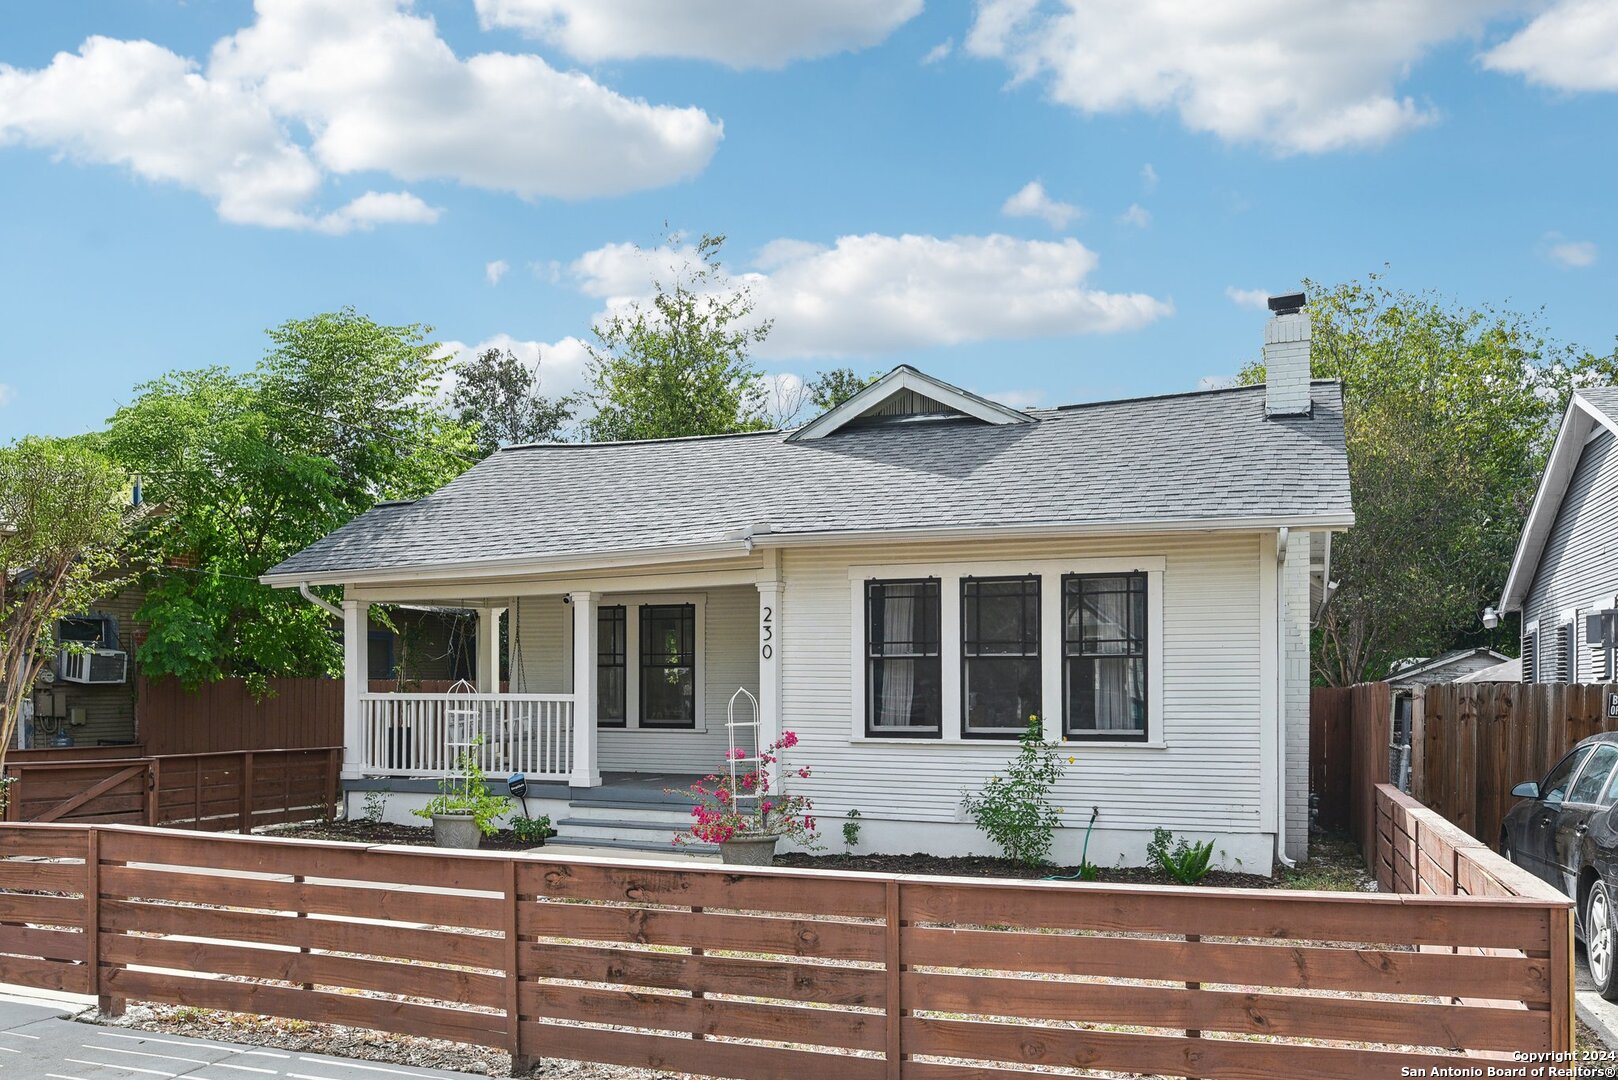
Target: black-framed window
x,y
96,630
668,665
612,665
1000,669
1104,656
904,691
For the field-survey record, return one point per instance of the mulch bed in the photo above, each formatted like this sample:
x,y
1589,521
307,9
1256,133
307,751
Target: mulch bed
x,y
360,831
1334,864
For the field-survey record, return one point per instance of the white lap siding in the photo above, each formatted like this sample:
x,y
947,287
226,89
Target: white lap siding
x,y
1205,780
730,617
1577,571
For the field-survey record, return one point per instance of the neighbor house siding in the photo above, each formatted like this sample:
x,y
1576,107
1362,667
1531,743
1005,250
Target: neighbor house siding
x,y
109,710
730,618
1578,571
1207,777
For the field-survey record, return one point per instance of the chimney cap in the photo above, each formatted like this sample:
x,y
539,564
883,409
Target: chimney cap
x,y
1290,304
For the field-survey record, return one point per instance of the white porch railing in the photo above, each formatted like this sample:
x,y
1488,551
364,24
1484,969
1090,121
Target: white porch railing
x,y
415,735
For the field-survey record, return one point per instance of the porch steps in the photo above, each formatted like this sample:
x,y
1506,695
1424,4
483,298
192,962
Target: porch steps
x,y
636,825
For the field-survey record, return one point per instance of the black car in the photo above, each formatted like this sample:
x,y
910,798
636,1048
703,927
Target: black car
x,y
1564,831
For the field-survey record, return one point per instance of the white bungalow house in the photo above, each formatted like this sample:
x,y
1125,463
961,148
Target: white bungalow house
x,y
901,582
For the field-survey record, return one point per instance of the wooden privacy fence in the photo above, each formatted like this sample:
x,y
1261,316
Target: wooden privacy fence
x,y
1349,731
210,792
225,715
1476,741
768,972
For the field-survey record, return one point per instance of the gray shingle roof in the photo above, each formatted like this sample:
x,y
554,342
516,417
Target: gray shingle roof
x,y
1604,398
1210,456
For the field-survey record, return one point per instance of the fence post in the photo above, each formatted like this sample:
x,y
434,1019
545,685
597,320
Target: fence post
x,y
154,787
1561,980
521,1062
895,1017
334,795
109,1004
246,812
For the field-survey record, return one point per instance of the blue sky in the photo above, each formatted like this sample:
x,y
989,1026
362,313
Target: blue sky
x,y
177,177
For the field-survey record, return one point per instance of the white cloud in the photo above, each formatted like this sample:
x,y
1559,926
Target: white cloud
x,y
1573,254
738,33
1148,177
939,52
1306,77
1257,299
1137,215
562,364
494,271
874,294
1032,201
378,208
8,394
1571,46
375,89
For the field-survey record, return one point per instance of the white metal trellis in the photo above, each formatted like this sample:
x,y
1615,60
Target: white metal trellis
x,y
462,716
735,729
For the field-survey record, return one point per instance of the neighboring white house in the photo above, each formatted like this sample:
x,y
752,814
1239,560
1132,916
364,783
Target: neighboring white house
x,y
1564,577
901,582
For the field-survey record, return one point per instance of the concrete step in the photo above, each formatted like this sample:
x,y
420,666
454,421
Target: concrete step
x,y
657,830
677,814
663,846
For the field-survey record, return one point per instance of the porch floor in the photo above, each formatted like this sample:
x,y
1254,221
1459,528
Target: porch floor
x,y
617,788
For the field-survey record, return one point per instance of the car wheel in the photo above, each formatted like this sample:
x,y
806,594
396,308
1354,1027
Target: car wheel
x,y
1600,940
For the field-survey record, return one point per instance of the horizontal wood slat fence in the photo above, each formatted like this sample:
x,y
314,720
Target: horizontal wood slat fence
x,y
1418,852
766,972
236,790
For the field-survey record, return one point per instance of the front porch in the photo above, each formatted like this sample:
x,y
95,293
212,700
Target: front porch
x,y
608,687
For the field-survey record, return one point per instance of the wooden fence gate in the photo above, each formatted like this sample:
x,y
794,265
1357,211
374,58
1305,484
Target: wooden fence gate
x,y
1349,731
210,792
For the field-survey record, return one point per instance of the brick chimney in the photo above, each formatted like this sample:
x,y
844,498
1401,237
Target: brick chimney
x,y
1286,357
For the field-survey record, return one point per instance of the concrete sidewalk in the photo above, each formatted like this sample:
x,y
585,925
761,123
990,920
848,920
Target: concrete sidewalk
x,y
38,1041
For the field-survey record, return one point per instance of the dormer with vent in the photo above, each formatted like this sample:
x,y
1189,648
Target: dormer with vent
x,y
906,396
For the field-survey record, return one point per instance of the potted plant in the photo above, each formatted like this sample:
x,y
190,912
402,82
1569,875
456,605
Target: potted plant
x,y
463,811
743,815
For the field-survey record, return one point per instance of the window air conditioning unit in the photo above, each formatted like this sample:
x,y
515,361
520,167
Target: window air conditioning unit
x,y
94,666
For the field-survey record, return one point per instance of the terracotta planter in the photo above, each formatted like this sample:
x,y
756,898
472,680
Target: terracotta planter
x,y
456,831
748,850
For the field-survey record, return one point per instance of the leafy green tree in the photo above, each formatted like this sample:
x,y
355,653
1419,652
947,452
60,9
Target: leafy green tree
x,y
1449,413
250,468
681,364
831,388
497,395
63,523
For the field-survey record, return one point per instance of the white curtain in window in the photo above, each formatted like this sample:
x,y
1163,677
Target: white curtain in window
x,y
898,675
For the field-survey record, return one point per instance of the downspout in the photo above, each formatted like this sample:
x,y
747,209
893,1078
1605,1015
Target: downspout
x,y
319,601
1282,536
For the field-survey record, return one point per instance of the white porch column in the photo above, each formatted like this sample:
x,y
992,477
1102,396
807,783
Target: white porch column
x,y
488,680
356,672
586,769
769,661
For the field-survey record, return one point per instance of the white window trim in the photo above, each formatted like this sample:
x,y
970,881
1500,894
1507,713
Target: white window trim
x,y
1050,573
632,603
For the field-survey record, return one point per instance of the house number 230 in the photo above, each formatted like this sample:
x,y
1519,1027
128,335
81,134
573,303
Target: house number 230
x,y
766,630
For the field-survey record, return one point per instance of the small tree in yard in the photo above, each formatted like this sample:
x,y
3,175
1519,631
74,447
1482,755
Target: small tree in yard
x,y
62,528
1015,809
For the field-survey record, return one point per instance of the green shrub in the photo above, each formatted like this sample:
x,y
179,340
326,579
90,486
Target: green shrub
x,y
467,792
532,830
851,830
1185,862
1015,810
376,806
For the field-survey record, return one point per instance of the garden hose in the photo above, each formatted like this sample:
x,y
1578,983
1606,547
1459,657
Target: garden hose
x,y
1084,855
